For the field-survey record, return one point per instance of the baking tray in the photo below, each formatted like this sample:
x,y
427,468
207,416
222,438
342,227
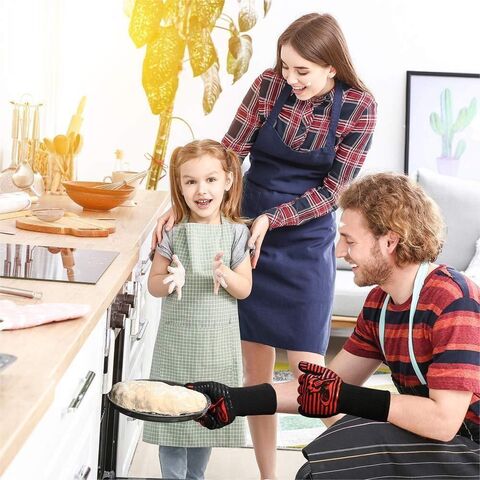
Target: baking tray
x,y
157,417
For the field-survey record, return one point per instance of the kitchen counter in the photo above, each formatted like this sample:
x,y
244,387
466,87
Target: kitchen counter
x,y
44,353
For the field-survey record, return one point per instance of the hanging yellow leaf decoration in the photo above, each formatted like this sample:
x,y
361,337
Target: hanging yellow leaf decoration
x,y
201,50
204,13
234,45
247,17
128,7
175,13
145,21
162,64
238,65
211,89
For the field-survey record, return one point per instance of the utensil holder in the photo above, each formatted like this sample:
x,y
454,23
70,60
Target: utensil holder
x,y
61,168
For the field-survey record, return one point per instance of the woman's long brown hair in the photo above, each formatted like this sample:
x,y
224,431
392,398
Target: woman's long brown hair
x,y
230,207
319,39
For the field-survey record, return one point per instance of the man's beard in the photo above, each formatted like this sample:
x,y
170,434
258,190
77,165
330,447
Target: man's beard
x,y
374,272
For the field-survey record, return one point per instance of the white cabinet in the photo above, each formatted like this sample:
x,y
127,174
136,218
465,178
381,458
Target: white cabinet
x,y
64,444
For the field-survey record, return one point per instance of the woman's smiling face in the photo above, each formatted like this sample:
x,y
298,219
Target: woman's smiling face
x,y
307,79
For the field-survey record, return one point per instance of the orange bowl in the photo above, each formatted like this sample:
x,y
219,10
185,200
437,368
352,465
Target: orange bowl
x,y
90,198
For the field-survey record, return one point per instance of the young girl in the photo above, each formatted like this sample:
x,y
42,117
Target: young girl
x,y
202,267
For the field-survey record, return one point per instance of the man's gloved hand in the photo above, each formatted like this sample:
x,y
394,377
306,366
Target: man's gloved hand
x,y
322,393
221,412
319,391
177,277
231,402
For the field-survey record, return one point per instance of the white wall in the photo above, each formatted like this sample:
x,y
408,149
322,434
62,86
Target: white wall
x,y
83,48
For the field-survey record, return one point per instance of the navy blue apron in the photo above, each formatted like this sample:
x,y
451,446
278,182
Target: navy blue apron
x,y
291,301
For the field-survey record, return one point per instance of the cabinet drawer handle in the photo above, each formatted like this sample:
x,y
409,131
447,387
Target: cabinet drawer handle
x,y
144,267
141,333
83,473
75,403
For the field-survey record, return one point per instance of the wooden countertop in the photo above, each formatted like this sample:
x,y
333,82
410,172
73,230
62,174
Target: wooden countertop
x,y
44,353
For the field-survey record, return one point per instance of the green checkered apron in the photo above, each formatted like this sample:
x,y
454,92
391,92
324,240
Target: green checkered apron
x,y
198,337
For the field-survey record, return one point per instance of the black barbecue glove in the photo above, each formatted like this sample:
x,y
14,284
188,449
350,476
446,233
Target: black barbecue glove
x,y
229,402
322,393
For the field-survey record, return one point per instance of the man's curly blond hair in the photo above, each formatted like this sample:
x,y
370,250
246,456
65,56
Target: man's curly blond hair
x,y
393,202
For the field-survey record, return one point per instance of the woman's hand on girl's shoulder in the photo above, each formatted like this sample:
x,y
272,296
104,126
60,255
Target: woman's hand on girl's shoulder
x,y
167,220
258,230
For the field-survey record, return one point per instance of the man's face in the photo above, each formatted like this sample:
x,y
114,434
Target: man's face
x,y
358,246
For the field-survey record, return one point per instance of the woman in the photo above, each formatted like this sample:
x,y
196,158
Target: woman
x,y
307,125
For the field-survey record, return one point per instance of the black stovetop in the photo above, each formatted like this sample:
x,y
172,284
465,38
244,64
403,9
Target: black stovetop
x,y
57,264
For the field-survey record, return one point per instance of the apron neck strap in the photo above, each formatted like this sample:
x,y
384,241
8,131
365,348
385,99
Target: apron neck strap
x,y
335,115
417,287
277,107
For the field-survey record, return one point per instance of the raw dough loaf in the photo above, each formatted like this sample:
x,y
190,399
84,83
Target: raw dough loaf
x,y
157,397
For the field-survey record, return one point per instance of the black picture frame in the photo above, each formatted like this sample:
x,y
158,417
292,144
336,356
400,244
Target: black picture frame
x,y
436,102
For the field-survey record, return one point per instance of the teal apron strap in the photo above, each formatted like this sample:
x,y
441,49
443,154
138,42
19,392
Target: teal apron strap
x,y
417,287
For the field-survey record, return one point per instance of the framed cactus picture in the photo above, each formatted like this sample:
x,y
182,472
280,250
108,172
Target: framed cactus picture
x,y
443,123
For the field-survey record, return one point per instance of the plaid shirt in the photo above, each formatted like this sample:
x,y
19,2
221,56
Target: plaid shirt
x,y
303,126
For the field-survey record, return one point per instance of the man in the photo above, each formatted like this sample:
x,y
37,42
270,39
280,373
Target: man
x,y
390,232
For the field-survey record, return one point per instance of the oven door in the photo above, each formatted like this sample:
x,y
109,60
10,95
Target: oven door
x,y
112,373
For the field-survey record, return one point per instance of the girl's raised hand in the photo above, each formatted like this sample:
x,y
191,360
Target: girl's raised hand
x,y
218,274
167,219
258,231
177,277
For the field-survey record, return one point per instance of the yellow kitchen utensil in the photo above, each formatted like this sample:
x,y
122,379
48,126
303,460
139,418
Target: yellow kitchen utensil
x,y
61,147
78,143
50,145
22,213
61,144
73,147
77,119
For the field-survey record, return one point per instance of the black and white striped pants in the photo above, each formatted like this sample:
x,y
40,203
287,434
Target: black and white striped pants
x,y
356,448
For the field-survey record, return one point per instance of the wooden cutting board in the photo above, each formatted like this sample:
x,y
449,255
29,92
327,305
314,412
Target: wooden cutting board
x,y
70,225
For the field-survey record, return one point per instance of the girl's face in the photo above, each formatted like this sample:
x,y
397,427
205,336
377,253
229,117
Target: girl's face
x,y
203,184
307,79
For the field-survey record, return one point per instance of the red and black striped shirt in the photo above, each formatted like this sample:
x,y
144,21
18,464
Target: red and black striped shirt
x,y
303,126
446,336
